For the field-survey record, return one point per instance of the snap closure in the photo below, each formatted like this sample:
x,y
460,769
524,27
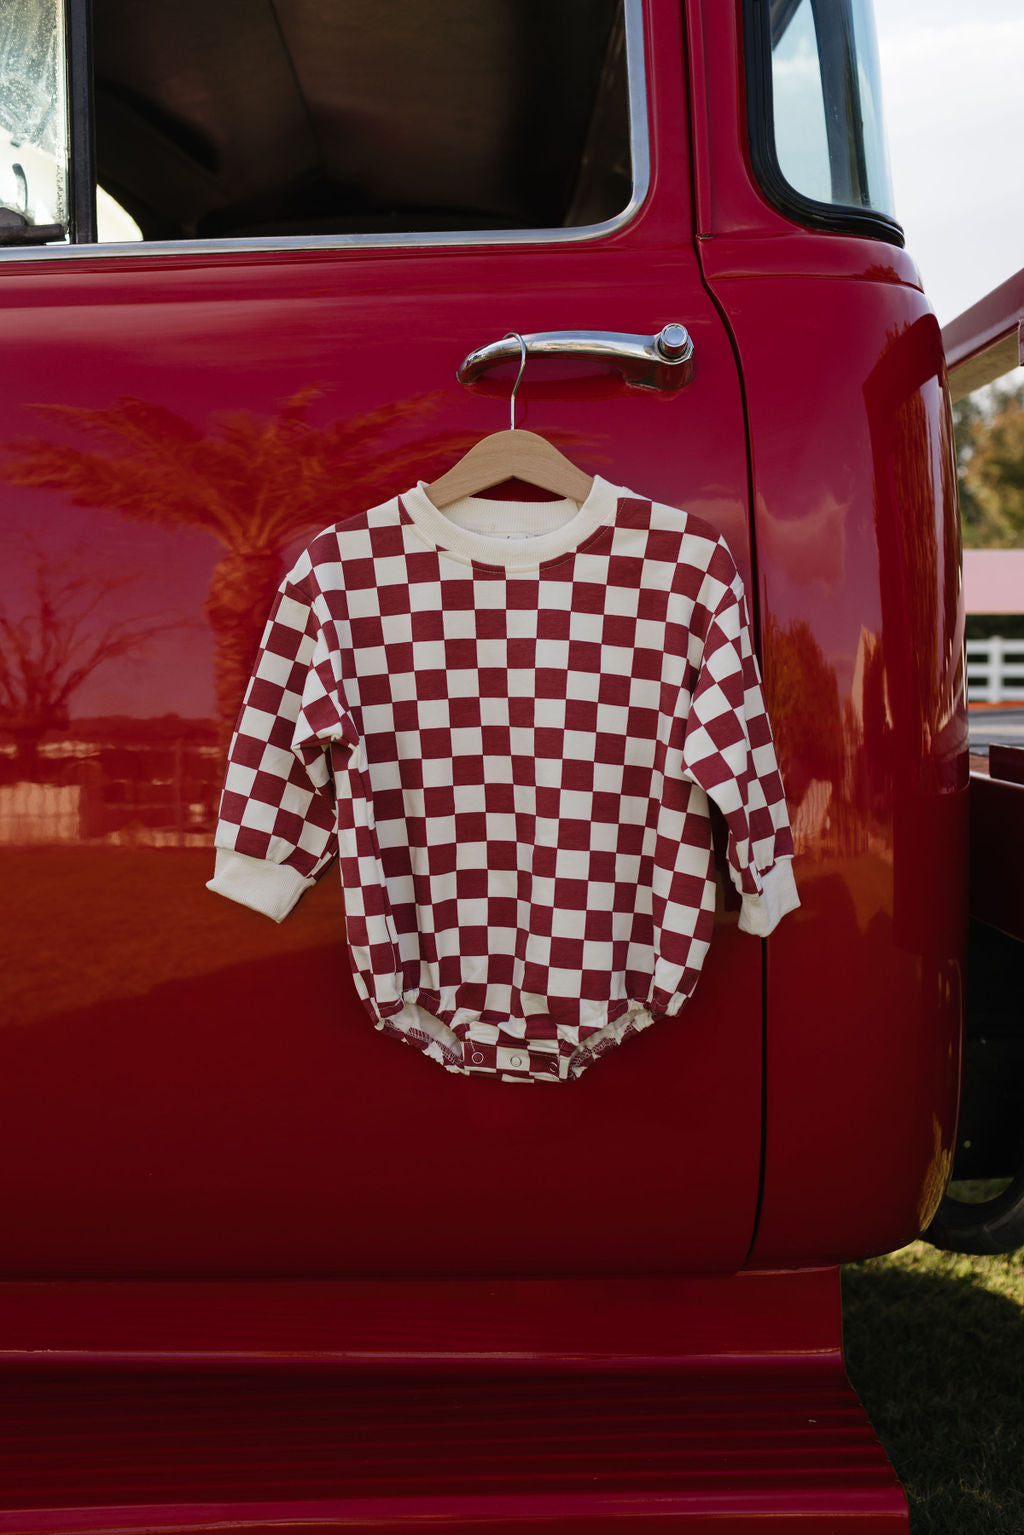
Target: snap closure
x,y
477,1057
515,1060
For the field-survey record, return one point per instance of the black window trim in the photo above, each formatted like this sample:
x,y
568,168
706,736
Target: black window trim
x,y
81,144
839,218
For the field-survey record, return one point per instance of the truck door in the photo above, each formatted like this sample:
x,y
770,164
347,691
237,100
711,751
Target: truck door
x,y
305,223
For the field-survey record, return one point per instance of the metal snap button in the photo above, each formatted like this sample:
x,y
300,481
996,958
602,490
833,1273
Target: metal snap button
x,y
477,1057
515,1060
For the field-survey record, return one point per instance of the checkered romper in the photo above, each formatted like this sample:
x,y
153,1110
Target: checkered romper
x,y
506,719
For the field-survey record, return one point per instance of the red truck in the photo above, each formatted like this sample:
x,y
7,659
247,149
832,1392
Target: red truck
x,y
261,1267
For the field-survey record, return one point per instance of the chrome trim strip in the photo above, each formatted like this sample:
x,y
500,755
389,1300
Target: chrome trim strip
x,y
640,149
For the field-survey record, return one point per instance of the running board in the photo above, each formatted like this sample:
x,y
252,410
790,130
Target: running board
x,y
716,1405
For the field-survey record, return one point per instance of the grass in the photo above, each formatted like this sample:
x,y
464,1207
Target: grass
x,y
935,1350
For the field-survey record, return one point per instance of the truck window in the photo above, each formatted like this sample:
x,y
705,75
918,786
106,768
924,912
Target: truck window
x,y
33,121
817,140
334,118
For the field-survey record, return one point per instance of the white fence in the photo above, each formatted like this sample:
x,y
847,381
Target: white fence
x,y
995,671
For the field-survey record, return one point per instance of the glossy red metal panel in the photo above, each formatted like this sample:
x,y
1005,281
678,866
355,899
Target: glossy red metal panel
x,y
712,1404
627,1452
858,560
190,1090
492,1324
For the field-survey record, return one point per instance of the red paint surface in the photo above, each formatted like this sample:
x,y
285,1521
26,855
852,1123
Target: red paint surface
x,y
858,558
649,1323
624,1452
712,1403
216,1101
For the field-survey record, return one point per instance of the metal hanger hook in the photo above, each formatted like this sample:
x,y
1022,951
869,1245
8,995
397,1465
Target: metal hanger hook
x,y
515,386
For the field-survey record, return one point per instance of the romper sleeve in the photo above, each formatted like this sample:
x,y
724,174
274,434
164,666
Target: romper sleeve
x,y
728,751
276,830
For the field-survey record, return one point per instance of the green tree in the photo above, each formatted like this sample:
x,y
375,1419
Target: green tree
x,y
990,458
967,415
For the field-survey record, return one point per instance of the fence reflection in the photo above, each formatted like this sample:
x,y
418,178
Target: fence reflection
x,y
115,789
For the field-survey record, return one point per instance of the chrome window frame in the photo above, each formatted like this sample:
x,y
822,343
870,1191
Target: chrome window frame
x,y
640,153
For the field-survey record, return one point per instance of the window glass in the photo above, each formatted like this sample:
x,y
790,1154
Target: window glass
x,y
33,121
801,143
332,117
876,152
826,102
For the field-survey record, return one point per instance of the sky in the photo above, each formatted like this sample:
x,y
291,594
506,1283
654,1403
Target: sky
x,y
952,88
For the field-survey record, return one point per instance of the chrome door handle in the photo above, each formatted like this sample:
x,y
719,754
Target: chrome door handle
x,y
664,361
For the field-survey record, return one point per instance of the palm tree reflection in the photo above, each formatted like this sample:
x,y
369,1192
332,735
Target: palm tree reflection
x,y
254,483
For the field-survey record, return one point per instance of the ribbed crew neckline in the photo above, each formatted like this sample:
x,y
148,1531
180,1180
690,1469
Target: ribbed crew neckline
x,y
449,536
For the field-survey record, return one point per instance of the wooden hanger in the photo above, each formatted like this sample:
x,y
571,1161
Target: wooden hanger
x,y
512,454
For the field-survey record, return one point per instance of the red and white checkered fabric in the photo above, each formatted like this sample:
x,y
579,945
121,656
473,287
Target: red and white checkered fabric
x,y
511,744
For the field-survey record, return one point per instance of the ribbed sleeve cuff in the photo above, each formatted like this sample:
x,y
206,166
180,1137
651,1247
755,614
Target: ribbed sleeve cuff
x,y
270,888
761,914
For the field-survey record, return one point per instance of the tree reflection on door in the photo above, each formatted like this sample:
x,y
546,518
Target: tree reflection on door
x,y
254,483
